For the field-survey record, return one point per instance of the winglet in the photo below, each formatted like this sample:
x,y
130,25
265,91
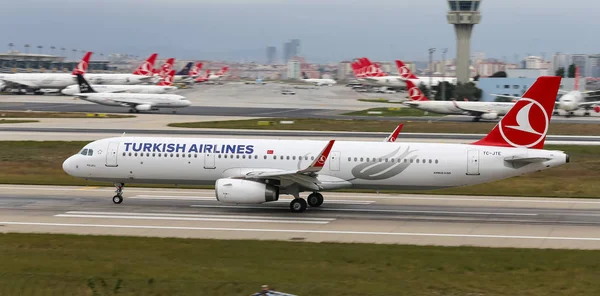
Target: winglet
x,y
320,160
394,135
527,122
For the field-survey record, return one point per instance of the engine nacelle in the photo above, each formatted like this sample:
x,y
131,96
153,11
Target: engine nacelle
x,y
241,191
144,107
489,116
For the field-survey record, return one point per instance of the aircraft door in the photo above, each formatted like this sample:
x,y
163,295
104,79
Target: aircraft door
x,y
209,160
111,155
334,161
473,162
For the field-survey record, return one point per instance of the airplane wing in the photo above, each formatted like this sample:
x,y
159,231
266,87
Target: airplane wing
x,y
124,102
506,96
589,104
306,177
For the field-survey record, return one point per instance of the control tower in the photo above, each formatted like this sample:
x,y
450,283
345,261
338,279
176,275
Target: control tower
x,y
463,14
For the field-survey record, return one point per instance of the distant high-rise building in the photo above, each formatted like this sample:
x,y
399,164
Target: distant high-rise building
x,y
293,69
271,55
295,47
582,62
287,52
560,60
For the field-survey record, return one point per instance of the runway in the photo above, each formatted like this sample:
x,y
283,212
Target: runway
x,y
37,133
344,217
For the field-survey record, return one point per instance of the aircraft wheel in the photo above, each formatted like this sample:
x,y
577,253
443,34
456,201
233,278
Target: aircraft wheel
x,y
298,205
315,199
117,199
131,110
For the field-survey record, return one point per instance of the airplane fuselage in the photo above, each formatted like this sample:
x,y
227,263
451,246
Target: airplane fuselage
x,y
153,101
458,107
369,165
138,89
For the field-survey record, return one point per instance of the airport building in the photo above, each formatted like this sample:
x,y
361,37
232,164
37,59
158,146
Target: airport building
x,y
516,86
17,62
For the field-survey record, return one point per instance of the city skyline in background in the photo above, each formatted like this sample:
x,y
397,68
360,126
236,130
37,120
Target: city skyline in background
x,y
239,31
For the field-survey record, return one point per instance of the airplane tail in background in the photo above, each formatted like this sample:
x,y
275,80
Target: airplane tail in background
x,y
223,71
186,69
414,92
82,67
84,86
147,67
195,71
527,122
167,80
165,68
404,71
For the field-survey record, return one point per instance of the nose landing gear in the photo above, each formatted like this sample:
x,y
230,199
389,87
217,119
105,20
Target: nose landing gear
x,y
118,198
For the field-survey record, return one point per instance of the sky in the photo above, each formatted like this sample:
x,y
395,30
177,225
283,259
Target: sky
x,y
329,30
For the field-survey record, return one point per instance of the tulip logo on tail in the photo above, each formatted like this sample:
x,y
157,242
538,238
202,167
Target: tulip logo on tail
x,y
404,72
415,94
528,127
144,69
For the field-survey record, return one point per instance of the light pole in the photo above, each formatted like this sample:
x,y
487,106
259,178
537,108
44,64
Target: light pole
x,y
10,45
444,51
26,48
40,49
52,48
431,51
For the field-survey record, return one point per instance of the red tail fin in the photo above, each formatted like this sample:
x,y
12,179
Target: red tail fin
x,y
82,67
166,67
167,80
404,71
414,92
223,71
526,124
147,67
195,71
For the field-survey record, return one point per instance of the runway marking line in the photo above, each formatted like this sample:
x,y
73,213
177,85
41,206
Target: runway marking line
x,y
342,232
211,198
379,211
191,219
201,215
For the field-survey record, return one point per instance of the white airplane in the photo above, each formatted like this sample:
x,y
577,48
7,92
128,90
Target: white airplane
x,y
135,102
163,87
573,100
220,74
406,74
254,171
37,82
479,110
318,81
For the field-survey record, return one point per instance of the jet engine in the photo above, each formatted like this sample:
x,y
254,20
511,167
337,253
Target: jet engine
x,y
490,115
241,191
144,107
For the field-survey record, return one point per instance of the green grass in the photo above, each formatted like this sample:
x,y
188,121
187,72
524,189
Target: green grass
x,y
380,100
44,264
351,125
43,114
391,111
16,121
31,162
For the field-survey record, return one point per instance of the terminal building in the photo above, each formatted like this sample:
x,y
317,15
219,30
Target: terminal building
x,y
17,62
517,82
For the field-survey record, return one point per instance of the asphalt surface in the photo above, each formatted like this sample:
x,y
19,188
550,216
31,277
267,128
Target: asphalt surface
x,y
291,134
275,112
344,217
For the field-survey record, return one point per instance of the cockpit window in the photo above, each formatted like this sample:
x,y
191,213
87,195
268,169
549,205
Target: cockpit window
x,y
84,152
90,152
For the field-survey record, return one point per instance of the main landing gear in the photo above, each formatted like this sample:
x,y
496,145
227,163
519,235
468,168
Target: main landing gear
x,y
299,205
118,198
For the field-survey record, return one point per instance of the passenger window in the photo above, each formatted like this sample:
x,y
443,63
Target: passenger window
x,y
196,155
244,156
312,158
123,153
135,154
265,157
255,156
355,159
237,156
305,157
153,154
411,161
281,157
424,161
177,155
368,159
159,154
386,160
430,161
417,160
349,158
294,157
406,160
361,159
84,152
436,161
219,155
380,160
171,154
274,157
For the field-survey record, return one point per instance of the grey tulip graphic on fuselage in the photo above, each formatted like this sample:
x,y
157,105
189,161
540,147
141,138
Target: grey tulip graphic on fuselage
x,y
380,170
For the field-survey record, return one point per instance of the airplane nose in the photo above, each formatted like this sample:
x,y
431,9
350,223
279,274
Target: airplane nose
x,y
66,92
69,166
